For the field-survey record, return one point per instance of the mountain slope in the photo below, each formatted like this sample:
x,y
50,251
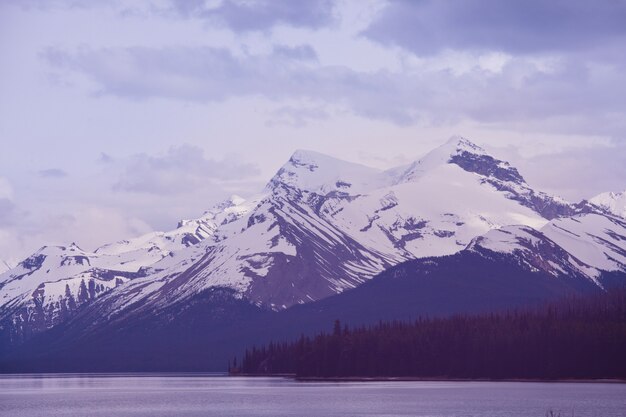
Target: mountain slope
x,y
584,246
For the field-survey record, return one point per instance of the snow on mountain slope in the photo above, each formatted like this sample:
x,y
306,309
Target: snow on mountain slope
x,y
614,203
533,250
436,205
269,256
48,264
597,240
140,252
46,287
437,214
583,245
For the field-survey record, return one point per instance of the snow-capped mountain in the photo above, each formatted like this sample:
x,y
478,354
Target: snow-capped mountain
x,y
324,225
614,203
319,227
48,286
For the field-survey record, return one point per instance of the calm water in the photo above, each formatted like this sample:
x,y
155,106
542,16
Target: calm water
x,y
210,395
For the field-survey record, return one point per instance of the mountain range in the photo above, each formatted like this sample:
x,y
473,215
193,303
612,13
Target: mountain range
x,y
457,230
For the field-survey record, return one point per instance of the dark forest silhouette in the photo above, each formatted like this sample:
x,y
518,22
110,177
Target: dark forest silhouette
x,y
572,338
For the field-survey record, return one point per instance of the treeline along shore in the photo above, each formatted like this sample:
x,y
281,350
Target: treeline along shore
x,y
574,338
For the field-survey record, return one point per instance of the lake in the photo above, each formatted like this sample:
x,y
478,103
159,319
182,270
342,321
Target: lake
x,y
214,395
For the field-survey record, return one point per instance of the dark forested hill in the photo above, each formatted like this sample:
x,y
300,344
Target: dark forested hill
x,y
573,338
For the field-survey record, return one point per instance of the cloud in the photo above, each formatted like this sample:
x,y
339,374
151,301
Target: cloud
x,y
190,73
574,173
122,198
426,27
237,15
60,4
88,225
6,190
182,169
552,95
299,52
297,116
7,212
259,15
52,173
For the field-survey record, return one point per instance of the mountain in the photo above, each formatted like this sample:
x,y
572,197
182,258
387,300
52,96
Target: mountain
x,y
47,287
513,267
320,227
614,203
323,225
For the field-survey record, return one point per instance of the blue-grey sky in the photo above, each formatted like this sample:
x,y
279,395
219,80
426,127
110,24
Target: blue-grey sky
x,y
120,116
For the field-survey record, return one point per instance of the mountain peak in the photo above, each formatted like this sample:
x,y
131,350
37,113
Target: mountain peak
x,y
459,144
459,150
305,155
614,203
74,247
472,158
316,172
233,200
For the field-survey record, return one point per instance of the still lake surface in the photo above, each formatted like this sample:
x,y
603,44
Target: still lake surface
x,y
213,395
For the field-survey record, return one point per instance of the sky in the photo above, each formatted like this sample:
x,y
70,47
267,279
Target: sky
x,y
118,117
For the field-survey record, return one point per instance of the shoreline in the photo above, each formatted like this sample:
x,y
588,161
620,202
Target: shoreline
x,y
308,379
439,379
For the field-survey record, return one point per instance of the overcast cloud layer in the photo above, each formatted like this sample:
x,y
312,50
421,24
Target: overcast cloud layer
x,y
118,117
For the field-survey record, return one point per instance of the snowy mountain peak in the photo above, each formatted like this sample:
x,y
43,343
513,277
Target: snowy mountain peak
x,y
455,146
233,200
307,157
473,158
57,249
614,203
465,154
74,247
237,200
314,172
210,214
459,144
